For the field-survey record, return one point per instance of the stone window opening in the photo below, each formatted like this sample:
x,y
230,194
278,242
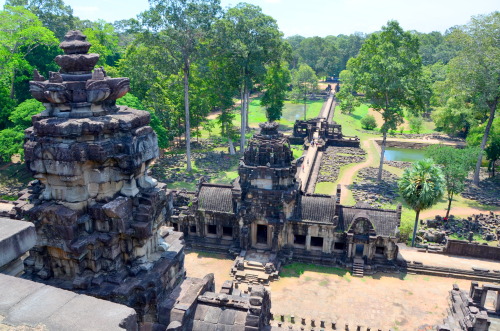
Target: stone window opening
x,y
380,250
227,231
192,228
212,229
299,240
316,242
176,226
339,246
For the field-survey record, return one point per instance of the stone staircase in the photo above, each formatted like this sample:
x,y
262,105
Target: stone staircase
x,y
358,267
256,268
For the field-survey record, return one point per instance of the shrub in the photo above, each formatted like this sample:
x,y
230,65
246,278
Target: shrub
x,y
416,123
368,122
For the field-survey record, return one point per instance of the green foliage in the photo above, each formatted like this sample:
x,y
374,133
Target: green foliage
x,y
275,89
21,32
388,69
348,102
421,186
493,152
305,82
54,14
455,164
21,116
11,141
368,122
131,101
416,123
104,42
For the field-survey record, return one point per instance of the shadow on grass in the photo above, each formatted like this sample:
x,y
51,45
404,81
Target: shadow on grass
x,y
201,255
296,269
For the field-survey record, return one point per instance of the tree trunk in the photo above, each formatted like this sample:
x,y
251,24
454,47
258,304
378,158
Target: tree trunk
x,y
415,229
243,119
484,141
450,199
231,147
186,108
247,106
381,166
305,108
13,79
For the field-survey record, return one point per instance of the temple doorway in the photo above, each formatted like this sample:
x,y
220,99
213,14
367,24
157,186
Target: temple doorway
x,y
261,234
359,250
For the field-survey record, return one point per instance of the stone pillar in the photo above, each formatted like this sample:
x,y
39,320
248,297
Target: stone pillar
x,y
308,242
349,250
483,297
497,308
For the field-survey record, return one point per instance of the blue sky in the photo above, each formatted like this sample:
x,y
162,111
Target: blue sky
x,y
323,17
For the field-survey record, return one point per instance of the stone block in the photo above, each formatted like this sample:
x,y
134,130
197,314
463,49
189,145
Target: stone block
x,y
13,290
16,238
88,313
38,306
120,207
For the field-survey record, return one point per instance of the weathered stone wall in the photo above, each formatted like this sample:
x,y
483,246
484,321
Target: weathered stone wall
x,y
463,248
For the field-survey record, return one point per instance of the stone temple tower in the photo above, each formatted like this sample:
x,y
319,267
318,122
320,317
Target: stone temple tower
x,y
268,189
99,217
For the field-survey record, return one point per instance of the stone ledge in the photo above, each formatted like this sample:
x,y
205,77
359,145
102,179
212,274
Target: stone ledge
x,y
16,238
24,302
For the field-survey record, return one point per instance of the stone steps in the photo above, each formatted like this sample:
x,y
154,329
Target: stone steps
x,y
358,268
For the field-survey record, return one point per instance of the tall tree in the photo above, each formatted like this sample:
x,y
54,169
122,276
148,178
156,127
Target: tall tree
x,y
54,14
475,72
388,69
275,88
254,41
455,164
348,102
305,82
21,32
421,186
181,26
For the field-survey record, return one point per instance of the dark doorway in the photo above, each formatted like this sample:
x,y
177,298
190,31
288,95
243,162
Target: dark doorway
x,y
299,240
380,250
261,234
212,229
176,226
192,228
359,249
317,242
339,246
227,231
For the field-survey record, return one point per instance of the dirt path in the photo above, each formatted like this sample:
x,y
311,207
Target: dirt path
x,y
348,176
456,211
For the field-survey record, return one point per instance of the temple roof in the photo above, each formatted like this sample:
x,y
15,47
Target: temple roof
x,y
316,208
215,198
385,222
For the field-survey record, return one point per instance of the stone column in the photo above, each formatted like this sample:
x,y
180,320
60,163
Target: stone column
x,y
497,308
349,250
308,242
483,297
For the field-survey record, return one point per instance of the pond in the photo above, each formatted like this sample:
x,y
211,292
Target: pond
x,y
403,154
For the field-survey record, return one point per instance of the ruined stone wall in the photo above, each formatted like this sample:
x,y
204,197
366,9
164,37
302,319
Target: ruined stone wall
x,y
463,248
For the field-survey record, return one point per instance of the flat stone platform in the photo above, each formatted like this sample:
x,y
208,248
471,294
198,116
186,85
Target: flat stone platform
x,y
30,305
410,254
16,238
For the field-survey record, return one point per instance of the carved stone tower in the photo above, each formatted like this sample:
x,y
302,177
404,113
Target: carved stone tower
x,y
97,213
268,186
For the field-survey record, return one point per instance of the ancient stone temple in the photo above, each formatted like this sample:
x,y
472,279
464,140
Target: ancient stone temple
x,y
98,215
264,210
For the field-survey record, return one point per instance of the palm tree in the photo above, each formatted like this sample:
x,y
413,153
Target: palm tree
x,y
421,186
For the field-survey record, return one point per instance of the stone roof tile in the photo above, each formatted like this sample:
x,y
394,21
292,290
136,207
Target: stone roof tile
x,y
215,198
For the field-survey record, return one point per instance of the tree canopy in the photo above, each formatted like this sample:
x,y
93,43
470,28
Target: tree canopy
x,y
388,70
421,186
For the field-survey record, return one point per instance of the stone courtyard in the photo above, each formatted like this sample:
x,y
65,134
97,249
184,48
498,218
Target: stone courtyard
x,y
385,301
